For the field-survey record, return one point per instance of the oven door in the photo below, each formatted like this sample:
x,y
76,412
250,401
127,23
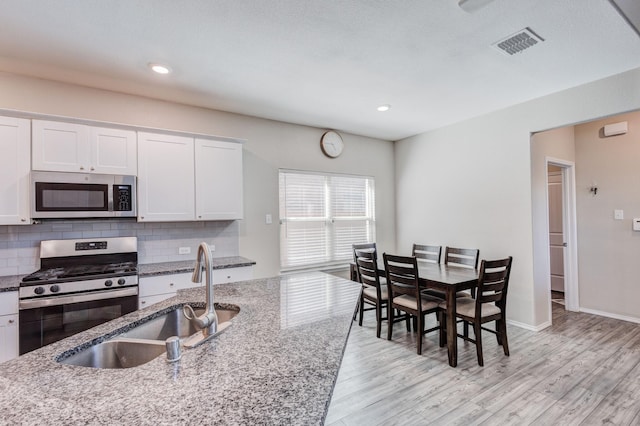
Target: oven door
x,y
49,319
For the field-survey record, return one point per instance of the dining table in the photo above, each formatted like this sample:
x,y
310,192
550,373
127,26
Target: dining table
x,y
450,280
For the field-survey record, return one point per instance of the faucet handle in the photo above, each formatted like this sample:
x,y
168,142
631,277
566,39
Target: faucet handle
x,y
188,312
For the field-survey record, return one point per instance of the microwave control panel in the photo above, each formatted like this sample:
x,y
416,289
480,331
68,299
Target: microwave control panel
x,y
122,198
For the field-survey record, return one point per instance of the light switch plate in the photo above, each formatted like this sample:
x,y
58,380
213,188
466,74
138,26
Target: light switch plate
x,y
268,219
618,214
636,223
184,250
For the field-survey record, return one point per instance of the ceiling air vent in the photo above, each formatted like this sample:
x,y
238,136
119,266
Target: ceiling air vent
x,y
518,42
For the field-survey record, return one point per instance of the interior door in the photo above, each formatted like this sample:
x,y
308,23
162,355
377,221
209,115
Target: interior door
x,y
556,235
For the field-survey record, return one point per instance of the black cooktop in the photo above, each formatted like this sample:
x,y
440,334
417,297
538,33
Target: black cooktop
x,y
81,272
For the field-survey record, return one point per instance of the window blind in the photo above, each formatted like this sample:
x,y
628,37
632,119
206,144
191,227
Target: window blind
x,y
322,215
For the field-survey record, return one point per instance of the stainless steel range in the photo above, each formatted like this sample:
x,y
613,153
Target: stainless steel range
x,y
81,283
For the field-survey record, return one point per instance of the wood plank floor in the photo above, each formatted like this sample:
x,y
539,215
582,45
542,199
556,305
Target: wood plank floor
x,y
584,370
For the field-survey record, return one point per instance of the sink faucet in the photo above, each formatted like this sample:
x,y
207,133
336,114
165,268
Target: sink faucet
x,y
208,321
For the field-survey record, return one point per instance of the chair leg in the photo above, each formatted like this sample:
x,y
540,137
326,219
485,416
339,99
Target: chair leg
x,y
465,329
420,330
378,319
361,309
502,327
443,329
407,321
478,337
390,320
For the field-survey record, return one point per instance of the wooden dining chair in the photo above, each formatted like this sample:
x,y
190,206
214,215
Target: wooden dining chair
x,y
373,292
405,295
426,253
461,257
363,246
489,305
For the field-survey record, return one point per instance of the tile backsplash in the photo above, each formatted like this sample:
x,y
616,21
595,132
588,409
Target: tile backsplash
x,y
157,242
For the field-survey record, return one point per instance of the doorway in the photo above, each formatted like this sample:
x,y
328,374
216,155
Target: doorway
x,y
556,234
562,229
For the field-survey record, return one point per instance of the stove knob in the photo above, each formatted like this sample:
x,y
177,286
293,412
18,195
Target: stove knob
x,y
54,288
108,283
38,290
121,281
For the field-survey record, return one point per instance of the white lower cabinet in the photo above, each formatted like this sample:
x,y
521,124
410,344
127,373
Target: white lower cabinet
x,y
161,287
231,275
8,325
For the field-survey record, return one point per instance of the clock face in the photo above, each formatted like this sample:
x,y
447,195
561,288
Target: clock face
x,y
331,144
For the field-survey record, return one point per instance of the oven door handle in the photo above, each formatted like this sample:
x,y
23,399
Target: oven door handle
x,y
77,298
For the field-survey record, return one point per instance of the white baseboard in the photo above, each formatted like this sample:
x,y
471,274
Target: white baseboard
x,y
610,315
528,326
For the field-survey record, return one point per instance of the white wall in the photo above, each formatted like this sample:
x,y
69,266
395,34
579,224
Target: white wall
x,y
270,145
609,249
470,184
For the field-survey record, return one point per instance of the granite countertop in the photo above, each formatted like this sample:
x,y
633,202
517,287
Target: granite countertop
x,y
276,364
10,282
176,267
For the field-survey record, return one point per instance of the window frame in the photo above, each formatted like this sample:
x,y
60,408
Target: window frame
x,y
332,244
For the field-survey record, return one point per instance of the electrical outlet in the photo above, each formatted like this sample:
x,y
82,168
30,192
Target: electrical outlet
x,y
212,247
268,219
184,250
618,214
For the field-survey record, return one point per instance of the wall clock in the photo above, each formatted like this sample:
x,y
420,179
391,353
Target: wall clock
x,y
331,144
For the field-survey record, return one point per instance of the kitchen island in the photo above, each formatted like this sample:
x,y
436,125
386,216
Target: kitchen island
x,y
276,364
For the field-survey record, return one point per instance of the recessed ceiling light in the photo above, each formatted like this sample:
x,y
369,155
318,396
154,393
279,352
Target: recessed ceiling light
x,y
160,69
383,108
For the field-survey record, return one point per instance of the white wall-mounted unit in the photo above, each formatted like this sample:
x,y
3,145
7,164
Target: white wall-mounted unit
x,y
615,129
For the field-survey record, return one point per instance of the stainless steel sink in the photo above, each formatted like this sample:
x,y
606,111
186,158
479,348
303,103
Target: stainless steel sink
x,y
174,323
117,353
147,340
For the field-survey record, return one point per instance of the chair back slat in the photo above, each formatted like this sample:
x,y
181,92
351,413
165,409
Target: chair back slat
x,y
427,253
402,276
465,258
493,282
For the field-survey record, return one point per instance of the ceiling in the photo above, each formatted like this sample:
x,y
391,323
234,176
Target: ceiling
x,y
323,63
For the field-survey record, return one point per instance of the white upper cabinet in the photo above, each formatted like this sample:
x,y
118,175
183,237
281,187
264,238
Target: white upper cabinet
x,y
15,146
166,182
113,151
218,180
68,147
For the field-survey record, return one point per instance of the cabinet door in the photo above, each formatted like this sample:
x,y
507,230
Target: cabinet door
x,y
8,325
166,182
218,180
15,146
61,147
113,151
8,337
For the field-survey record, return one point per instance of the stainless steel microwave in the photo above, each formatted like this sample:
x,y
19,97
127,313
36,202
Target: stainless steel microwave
x,y
82,195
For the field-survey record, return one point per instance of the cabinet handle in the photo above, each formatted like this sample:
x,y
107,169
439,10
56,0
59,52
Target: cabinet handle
x,y
81,167
92,169
143,302
23,220
11,321
170,284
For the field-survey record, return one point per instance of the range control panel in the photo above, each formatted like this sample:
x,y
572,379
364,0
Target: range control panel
x,y
91,245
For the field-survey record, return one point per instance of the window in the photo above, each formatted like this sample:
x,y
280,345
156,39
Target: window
x,y
322,215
